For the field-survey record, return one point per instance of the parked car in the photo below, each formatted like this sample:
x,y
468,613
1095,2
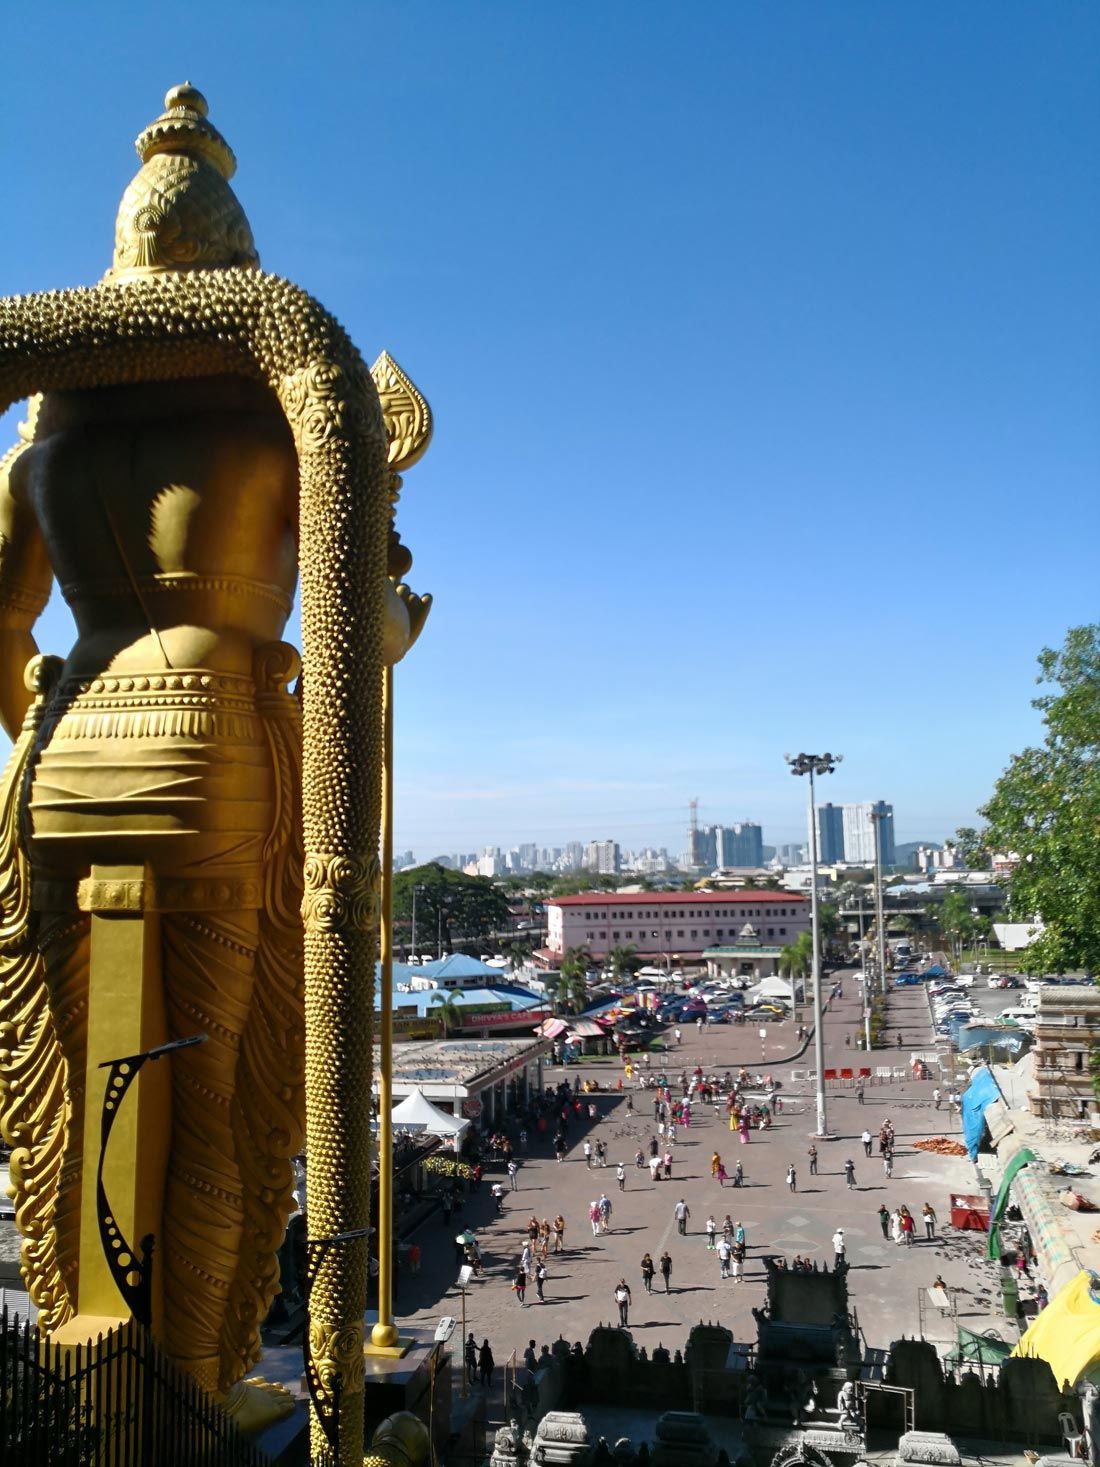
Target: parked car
x,y
906,980
760,1009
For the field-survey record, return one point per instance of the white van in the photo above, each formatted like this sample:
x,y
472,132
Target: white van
x,y
1021,1017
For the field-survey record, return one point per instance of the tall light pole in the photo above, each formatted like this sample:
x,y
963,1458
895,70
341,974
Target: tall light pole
x,y
814,764
877,817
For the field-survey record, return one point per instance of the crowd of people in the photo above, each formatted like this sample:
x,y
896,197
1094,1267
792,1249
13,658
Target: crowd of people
x,y
574,1120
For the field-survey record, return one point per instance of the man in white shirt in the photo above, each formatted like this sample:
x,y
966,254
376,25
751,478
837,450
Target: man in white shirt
x,y
838,1247
725,1253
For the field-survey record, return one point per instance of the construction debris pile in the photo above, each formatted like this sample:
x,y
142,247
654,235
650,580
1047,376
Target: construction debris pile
x,y
941,1146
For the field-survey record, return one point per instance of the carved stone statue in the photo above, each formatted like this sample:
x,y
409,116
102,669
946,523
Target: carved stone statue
x,y
203,431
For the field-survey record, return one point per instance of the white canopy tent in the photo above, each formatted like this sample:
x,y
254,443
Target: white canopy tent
x,y
771,988
417,1113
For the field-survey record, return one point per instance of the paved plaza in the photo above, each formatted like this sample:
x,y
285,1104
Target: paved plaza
x,y
884,1280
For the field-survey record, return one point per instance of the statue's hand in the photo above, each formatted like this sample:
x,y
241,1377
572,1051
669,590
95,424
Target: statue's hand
x,y
417,608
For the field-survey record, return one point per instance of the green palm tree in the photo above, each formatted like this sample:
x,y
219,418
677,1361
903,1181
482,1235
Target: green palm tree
x,y
796,961
623,960
575,964
446,1011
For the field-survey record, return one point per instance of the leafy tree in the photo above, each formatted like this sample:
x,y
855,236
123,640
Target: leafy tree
x,y
446,1011
584,881
971,847
828,923
1045,809
954,917
446,902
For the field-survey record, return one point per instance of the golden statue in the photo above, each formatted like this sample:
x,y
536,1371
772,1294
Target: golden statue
x,y
176,855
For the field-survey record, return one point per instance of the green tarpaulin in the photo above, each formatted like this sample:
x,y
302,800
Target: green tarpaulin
x,y
1018,1160
977,1349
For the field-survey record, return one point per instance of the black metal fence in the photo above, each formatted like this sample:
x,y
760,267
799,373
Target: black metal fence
x,y
114,1402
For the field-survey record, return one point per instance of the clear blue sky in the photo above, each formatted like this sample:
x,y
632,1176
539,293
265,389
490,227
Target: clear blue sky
x,y
763,347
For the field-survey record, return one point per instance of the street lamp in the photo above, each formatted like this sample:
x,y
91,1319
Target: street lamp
x,y
412,940
814,764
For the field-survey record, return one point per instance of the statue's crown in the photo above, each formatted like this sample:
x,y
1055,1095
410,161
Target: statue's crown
x,y
183,128
179,212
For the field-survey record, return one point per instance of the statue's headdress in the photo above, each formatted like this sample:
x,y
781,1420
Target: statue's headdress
x,y
178,212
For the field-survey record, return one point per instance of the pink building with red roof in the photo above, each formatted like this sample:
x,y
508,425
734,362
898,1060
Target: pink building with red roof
x,y
680,925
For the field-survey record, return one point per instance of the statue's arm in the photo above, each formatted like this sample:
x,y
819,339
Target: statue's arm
x,y
25,581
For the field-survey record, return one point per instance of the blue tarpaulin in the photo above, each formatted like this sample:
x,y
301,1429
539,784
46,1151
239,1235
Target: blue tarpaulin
x,y
981,1092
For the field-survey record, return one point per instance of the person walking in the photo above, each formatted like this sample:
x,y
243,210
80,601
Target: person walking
x,y
530,1357
721,1174
665,1265
884,1219
620,1176
519,1285
867,1141
739,1237
929,1214
470,1355
895,1226
540,1280
485,1364
838,1247
681,1212
605,1213
668,1166
525,1258
936,1097
908,1227
513,1168
850,1174
899,1039
715,1164
587,1153
594,1216
812,1154
679,1036
739,1174
888,1161
860,1094
737,1263
648,1270
792,1180
622,1299
712,1232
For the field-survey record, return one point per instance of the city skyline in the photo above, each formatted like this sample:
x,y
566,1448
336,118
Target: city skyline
x,y
715,839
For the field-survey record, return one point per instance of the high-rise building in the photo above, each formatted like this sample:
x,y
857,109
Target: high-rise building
x,y
740,844
859,832
603,857
830,834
